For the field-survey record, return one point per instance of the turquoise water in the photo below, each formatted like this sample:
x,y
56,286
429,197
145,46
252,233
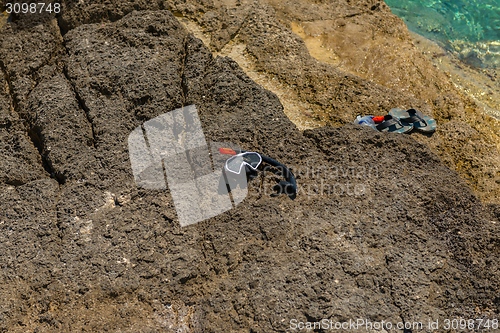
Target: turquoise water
x,y
471,28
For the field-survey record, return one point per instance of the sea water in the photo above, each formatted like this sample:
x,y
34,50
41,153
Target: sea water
x,y
471,28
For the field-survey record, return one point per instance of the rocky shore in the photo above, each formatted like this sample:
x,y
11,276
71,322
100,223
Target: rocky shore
x,y
82,248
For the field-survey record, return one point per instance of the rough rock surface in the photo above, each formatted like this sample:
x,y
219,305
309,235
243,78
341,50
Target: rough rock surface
x,y
83,249
330,61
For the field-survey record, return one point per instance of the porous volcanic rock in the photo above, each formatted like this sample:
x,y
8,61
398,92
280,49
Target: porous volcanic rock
x,y
381,229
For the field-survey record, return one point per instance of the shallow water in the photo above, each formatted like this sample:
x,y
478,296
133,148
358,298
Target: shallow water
x,y
471,28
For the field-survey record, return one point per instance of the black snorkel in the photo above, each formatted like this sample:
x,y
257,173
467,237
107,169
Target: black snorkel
x,y
287,186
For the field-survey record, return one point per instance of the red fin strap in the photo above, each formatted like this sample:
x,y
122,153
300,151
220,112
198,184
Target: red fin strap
x,y
227,151
378,119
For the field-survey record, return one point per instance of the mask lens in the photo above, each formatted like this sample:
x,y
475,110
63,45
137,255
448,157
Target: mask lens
x,y
235,164
253,160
